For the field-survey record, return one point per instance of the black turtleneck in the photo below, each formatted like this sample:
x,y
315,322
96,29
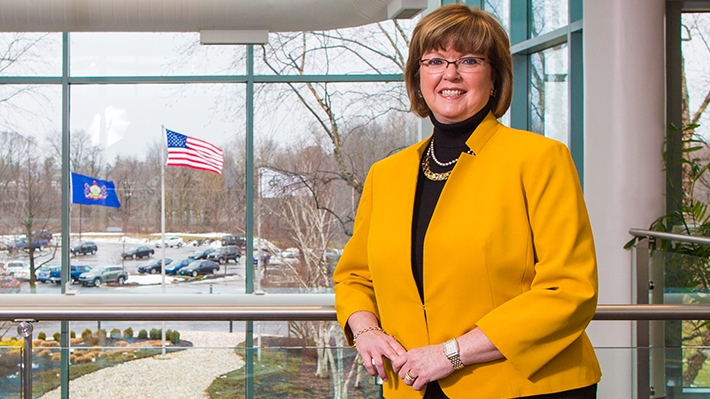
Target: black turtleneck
x,y
449,143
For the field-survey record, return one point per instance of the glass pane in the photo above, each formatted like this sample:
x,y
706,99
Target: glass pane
x,y
151,54
696,54
117,136
377,48
501,10
547,15
29,183
30,54
311,163
549,94
10,372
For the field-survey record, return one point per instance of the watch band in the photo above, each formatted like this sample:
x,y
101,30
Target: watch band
x,y
451,350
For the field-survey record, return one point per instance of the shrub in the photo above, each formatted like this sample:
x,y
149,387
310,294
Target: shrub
x,y
57,336
168,334
128,333
101,333
155,333
174,337
42,336
143,334
115,333
72,334
85,333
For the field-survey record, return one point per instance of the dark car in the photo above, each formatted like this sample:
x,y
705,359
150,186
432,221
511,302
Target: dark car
x,y
225,254
175,266
138,252
84,247
198,267
55,273
153,266
201,253
229,239
104,274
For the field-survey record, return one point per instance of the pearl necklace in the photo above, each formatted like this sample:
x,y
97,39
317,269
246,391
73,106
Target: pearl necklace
x,y
433,176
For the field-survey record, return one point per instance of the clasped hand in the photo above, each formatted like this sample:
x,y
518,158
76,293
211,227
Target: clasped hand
x,y
415,367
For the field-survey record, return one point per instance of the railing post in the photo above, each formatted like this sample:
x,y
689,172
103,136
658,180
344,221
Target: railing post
x,y
25,330
657,328
639,255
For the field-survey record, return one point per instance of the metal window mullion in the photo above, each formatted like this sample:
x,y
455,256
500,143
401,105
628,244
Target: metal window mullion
x,y
66,209
521,71
576,101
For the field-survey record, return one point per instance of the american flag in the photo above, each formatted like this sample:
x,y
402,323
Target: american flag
x,y
194,153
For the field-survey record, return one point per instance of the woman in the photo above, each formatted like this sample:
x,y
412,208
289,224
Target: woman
x,y
471,272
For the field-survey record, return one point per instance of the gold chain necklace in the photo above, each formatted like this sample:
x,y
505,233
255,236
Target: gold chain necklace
x,y
433,176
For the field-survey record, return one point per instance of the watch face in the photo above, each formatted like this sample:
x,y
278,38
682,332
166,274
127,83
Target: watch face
x,y
450,348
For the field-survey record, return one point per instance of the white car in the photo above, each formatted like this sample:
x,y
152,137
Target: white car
x,y
171,242
20,270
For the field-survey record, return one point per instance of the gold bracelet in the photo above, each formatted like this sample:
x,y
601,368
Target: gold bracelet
x,y
364,330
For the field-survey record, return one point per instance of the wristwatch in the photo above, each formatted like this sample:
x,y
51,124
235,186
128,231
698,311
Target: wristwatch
x,y
451,350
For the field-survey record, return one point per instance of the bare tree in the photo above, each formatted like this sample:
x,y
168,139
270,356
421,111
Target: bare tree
x,y
31,201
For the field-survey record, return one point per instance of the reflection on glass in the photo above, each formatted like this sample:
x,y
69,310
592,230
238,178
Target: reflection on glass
x,y
152,54
30,54
547,15
499,9
549,98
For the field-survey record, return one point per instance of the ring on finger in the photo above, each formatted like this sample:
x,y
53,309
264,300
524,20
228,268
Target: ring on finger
x,y
409,377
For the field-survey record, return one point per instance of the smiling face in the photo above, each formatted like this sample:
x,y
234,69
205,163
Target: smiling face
x,y
453,96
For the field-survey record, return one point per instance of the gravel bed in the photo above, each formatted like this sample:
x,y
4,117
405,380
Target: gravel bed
x,y
183,374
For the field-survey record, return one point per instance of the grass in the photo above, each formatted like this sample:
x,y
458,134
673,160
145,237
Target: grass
x,y
286,370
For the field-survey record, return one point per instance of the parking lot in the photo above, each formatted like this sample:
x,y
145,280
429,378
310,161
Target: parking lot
x,y
229,278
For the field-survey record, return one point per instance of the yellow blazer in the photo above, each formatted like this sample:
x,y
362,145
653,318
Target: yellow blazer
x,y
509,249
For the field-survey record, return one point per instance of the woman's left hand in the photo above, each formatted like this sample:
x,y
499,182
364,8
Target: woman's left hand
x,y
425,364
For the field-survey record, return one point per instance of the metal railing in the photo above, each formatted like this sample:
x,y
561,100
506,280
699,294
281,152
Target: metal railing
x,y
309,307
649,294
270,307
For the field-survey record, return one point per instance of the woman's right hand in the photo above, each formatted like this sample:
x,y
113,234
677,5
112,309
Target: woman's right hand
x,y
374,345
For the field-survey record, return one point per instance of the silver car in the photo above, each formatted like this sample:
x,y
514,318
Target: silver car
x,y
104,274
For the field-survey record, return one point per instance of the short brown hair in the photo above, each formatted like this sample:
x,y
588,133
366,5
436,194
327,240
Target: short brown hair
x,y
466,30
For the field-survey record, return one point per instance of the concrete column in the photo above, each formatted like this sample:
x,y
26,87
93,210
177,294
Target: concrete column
x,y
624,180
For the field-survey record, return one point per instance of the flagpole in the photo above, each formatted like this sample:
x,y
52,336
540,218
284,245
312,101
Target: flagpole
x,y
162,220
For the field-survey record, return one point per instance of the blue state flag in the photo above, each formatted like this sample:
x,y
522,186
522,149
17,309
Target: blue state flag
x,y
89,191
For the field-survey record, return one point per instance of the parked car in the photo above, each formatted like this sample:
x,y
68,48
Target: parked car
x,y
198,267
153,266
20,270
175,266
225,254
171,242
84,247
331,255
229,239
9,284
22,243
42,273
201,253
104,274
138,252
55,273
